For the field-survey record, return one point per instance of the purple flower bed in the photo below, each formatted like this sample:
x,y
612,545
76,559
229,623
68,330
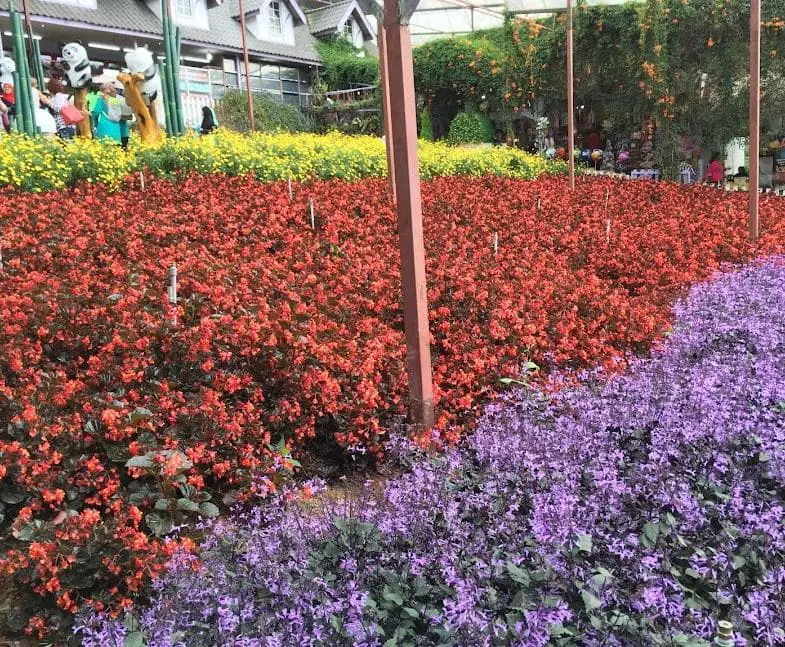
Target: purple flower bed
x,y
637,511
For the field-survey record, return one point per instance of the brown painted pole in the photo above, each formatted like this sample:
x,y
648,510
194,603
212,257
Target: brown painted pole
x,y
251,123
400,78
570,101
754,198
29,26
386,105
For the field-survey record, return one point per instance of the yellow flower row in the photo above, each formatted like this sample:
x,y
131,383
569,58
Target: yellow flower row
x,y
44,164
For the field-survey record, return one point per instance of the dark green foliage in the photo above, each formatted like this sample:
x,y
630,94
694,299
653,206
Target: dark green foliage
x,y
426,130
471,128
343,68
269,115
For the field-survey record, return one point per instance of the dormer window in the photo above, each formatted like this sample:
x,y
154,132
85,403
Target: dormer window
x,y
348,30
274,17
184,9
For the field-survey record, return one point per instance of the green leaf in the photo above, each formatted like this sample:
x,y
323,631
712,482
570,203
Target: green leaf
x,y
519,575
162,504
131,622
651,531
412,613
590,601
140,413
208,509
391,596
12,496
192,506
738,562
585,543
158,524
143,462
135,639
117,453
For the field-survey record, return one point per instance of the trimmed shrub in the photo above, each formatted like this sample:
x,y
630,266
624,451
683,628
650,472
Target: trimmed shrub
x,y
269,115
470,128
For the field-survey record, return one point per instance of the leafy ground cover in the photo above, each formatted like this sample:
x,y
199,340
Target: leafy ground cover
x,y
42,164
637,511
122,415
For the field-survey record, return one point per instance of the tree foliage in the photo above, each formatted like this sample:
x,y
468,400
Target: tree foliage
x,y
343,67
681,63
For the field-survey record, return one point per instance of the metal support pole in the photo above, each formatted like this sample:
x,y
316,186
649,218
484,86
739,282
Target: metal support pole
x,y
251,123
385,86
403,114
754,183
570,100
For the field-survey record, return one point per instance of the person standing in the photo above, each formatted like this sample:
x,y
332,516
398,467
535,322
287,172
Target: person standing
x,y
208,121
58,101
715,173
107,115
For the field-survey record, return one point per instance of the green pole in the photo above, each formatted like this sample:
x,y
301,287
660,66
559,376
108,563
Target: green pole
x,y
168,79
178,97
22,121
22,90
39,68
165,97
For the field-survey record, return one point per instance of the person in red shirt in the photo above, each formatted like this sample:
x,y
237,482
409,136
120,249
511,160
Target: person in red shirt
x,y
593,140
716,171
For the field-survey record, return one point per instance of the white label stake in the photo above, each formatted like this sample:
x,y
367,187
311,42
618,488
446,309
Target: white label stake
x,y
290,188
313,218
141,179
495,243
607,231
172,290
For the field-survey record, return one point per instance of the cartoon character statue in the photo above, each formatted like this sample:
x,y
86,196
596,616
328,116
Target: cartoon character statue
x,y
79,72
7,69
140,61
76,66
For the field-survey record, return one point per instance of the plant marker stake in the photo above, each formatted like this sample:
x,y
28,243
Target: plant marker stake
x,y
495,243
313,219
607,231
141,179
172,291
290,188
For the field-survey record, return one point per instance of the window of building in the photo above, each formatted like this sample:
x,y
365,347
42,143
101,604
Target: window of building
x,y
348,30
184,8
274,17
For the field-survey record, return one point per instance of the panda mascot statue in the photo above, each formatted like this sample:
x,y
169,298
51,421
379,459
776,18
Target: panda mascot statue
x,y
140,61
76,65
7,69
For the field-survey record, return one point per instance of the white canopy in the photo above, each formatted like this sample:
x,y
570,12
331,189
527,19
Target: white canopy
x,y
440,18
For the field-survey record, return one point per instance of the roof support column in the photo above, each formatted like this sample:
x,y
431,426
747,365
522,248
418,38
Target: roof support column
x,y
570,100
403,130
385,87
754,181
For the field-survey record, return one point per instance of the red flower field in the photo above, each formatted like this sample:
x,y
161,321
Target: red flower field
x,y
286,331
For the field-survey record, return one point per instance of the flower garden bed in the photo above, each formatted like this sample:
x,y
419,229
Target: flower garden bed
x,y
41,164
638,512
123,415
